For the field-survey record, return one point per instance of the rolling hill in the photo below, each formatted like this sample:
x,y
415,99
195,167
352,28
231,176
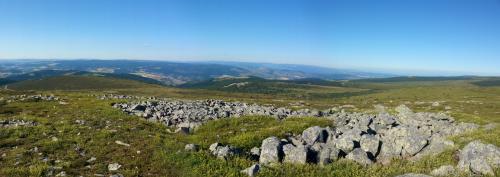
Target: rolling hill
x,y
178,73
77,83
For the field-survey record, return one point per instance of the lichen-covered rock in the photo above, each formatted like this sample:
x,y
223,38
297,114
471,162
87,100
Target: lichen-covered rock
x,y
479,158
314,134
436,145
271,151
295,154
359,156
370,143
222,151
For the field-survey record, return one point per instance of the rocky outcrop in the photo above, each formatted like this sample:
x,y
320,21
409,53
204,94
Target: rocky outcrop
x,y
367,139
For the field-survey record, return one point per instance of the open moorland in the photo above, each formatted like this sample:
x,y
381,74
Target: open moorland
x,y
73,128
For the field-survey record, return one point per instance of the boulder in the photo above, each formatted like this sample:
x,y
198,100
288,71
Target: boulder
x,y
479,158
411,145
436,145
295,154
214,146
359,156
314,134
370,143
346,144
222,151
114,166
252,170
271,151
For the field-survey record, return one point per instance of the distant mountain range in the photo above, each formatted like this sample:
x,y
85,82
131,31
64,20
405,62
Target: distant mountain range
x,y
172,73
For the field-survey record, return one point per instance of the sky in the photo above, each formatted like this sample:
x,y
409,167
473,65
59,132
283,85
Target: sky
x,y
406,36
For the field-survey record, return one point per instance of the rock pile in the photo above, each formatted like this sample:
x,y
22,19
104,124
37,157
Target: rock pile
x,y
15,123
367,139
33,98
113,96
193,113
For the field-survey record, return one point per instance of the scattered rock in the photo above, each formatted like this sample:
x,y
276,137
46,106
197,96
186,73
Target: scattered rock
x,y
222,151
91,159
122,143
117,175
191,147
214,146
114,166
252,170
16,123
62,173
182,130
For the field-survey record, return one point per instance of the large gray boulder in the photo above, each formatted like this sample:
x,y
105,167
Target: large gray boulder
x,y
436,145
370,143
314,134
479,158
411,145
271,151
359,156
295,154
408,138
327,155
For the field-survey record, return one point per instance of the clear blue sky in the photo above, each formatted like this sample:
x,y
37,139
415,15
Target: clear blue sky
x,y
459,36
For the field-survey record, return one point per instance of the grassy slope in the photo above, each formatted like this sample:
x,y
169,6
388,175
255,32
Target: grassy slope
x,y
161,152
